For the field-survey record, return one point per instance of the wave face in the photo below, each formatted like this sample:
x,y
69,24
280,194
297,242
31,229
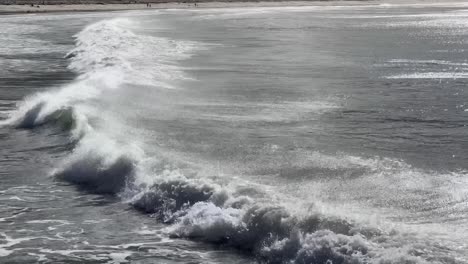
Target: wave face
x,y
107,57
236,212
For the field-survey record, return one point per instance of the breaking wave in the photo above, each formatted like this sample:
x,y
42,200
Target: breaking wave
x,y
109,55
211,213
96,171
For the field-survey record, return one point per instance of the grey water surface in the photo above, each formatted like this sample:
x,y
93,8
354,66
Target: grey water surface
x,y
321,134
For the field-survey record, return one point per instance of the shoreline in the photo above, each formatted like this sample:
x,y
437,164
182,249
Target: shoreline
x,y
22,9
99,7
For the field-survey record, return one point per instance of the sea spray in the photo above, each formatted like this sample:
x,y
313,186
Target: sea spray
x,y
109,56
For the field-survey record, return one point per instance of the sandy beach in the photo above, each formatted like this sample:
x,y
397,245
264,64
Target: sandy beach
x,y
34,8
5,9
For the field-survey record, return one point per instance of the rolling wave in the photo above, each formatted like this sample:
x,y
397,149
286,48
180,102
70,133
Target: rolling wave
x,y
108,56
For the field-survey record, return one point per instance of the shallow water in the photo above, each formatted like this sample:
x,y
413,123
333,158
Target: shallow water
x,y
240,135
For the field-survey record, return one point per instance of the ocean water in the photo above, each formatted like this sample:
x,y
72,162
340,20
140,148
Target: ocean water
x,y
239,135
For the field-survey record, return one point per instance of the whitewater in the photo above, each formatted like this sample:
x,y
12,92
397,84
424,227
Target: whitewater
x,y
243,135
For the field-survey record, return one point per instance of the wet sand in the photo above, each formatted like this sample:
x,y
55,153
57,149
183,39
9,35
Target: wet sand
x,y
12,9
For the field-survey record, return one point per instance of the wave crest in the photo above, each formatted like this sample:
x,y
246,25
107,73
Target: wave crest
x,y
107,56
167,199
94,174
273,235
63,118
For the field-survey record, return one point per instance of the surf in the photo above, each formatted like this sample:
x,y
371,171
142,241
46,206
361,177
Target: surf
x,y
234,212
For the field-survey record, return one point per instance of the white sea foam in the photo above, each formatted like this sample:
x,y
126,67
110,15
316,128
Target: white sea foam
x,y
436,62
108,56
119,257
431,75
237,212
7,242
